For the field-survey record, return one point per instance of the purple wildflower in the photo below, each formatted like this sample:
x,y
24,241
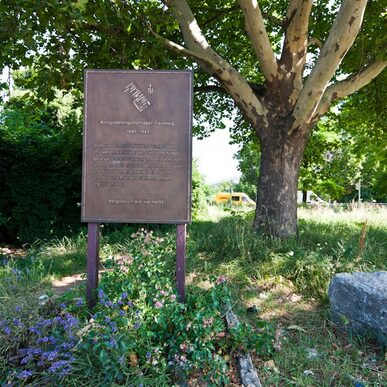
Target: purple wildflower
x,y
79,302
50,355
17,323
113,342
113,325
7,330
42,340
58,319
61,366
124,295
45,340
44,323
18,308
30,351
62,306
65,346
71,321
24,374
26,359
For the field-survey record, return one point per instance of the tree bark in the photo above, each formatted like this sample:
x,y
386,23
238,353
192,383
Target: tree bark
x,y
276,212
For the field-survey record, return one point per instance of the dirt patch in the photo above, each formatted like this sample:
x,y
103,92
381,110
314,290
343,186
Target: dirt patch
x,y
68,283
277,300
12,252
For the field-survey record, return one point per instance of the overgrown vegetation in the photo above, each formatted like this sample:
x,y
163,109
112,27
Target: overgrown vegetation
x,y
138,332
40,171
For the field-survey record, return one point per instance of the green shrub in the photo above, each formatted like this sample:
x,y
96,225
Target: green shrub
x,y
199,193
40,172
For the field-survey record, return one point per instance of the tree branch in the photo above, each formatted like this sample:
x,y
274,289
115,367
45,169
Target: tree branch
x,y
343,33
296,42
256,30
192,34
348,86
200,51
259,90
201,58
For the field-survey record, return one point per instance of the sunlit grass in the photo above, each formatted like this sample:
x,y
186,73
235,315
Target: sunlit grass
x,y
373,214
285,280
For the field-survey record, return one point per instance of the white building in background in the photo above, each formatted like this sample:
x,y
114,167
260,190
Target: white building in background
x,y
311,198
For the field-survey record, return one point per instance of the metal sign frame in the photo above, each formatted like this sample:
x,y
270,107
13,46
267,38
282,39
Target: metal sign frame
x,y
136,155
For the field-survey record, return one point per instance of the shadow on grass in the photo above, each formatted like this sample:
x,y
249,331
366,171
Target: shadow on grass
x,y
62,257
230,247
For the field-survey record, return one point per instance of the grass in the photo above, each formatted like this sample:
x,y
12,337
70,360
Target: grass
x,y
285,281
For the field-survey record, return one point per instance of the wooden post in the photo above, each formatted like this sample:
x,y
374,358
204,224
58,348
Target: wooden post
x,y
92,263
180,260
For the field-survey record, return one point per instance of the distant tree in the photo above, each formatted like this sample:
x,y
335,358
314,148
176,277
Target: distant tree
x,y
199,193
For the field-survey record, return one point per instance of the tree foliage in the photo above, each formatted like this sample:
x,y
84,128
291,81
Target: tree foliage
x,y
282,64
40,171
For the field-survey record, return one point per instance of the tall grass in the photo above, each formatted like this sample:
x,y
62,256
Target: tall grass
x,y
326,245
329,241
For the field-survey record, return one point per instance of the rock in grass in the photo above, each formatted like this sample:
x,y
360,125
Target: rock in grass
x,y
359,302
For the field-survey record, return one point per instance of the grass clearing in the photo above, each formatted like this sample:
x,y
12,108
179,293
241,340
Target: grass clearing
x,y
282,282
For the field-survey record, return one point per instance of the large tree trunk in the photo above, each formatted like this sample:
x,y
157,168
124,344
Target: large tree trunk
x,y
283,109
276,213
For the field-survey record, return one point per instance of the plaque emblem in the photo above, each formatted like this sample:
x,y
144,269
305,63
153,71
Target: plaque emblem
x,y
139,99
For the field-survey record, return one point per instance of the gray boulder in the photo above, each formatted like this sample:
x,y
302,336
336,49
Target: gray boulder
x,y
359,301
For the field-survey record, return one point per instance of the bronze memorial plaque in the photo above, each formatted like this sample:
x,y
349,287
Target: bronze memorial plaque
x,y
137,146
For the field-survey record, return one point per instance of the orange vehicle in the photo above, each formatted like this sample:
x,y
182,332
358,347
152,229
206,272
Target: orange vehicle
x,y
234,198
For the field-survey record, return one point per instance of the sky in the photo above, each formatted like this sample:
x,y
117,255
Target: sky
x,y
215,157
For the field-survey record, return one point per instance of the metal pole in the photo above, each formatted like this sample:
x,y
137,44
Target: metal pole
x,y
92,263
180,260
